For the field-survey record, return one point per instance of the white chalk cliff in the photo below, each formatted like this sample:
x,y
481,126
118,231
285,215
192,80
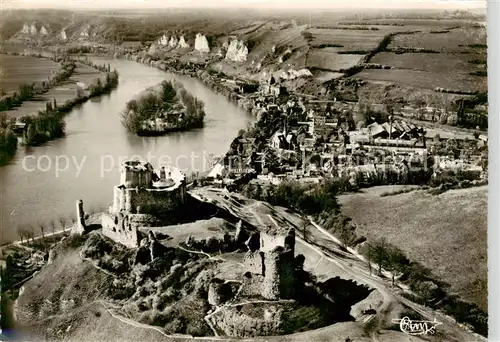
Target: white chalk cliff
x,y
26,29
292,74
201,43
237,51
63,35
284,56
85,32
182,43
43,31
173,42
152,49
33,30
163,41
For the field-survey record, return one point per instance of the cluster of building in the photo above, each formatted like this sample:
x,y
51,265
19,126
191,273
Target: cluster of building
x,y
313,139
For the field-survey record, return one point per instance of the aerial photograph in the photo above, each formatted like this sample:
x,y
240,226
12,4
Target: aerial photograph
x,y
243,170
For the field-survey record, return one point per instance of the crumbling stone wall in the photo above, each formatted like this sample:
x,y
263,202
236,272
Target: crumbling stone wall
x,y
220,291
119,228
129,200
254,262
232,322
275,262
280,276
271,239
273,275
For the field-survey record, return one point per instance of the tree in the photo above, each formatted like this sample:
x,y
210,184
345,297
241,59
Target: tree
x,y
30,233
168,92
42,229
396,261
370,258
21,232
62,221
53,226
380,253
258,192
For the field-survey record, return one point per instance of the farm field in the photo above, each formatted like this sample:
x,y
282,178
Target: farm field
x,y
424,23
350,40
447,232
62,93
325,76
459,80
16,70
456,40
326,60
435,62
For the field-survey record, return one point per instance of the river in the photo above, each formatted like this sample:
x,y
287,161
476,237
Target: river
x,y
42,184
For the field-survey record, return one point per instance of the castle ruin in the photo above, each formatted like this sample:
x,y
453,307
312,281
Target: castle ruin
x,y
141,193
272,280
272,269
271,264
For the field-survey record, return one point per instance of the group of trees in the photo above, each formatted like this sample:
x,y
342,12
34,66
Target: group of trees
x,y
8,140
99,87
100,67
28,233
306,199
46,125
49,124
382,255
170,102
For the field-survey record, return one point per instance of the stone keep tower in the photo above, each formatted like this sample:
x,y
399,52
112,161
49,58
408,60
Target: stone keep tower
x,y
279,267
133,174
273,260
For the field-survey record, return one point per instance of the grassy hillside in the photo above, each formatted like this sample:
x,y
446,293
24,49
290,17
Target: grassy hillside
x,y
447,233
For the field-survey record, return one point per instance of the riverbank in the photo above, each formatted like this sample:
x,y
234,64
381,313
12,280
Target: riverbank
x,y
42,119
66,95
15,90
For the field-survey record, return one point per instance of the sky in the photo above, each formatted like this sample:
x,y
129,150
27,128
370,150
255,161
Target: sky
x,y
289,4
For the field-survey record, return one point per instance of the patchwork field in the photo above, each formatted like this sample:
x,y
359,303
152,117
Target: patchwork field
x,y
447,70
426,79
434,62
327,60
325,76
16,70
447,233
402,22
61,93
456,40
348,40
